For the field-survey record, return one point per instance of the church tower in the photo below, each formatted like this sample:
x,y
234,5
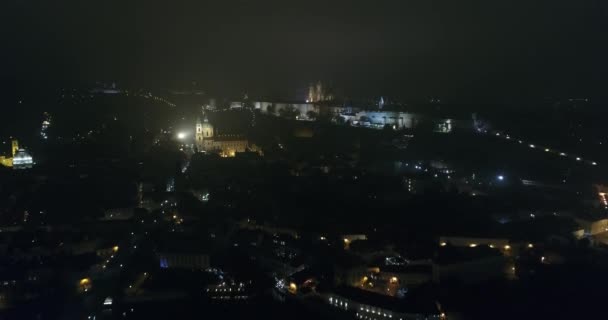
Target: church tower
x,y
204,135
199,135
207,129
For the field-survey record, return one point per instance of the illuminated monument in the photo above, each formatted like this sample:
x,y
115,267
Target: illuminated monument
x,y
225,145
14,147
20,159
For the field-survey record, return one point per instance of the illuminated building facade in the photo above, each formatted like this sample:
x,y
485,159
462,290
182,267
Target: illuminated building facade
x,y
374,117
228,291
225,145
371,306
602,195
380,119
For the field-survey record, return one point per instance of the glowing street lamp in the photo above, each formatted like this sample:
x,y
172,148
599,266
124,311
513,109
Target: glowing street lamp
x,y
182,135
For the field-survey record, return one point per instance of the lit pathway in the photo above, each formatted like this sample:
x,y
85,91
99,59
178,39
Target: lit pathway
x,y
540,148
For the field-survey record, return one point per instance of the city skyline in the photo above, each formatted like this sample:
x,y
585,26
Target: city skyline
x,y
303,160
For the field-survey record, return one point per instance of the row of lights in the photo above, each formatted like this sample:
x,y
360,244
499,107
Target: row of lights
x,y
230,297
374,312
226,290
337,302
114,249
533,146
361,316
474,245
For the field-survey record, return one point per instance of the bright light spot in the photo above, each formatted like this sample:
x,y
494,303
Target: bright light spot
x,y
547,150
562,154
507,247
107,301
532,146
181,135
473,245
501,177
293,288
530,245
578,159
443,244
115,248
594,163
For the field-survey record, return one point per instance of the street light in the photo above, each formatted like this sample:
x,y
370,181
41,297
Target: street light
x,y
182,135
500,178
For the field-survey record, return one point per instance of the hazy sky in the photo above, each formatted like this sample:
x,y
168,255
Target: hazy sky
x,y
457,49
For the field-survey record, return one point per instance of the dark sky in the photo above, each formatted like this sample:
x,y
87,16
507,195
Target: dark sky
x,y
407,49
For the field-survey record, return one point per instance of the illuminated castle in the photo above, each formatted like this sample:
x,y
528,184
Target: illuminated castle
x,y
316,93
225,145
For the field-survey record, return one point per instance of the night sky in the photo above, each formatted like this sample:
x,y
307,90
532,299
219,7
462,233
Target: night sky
x,y
404,49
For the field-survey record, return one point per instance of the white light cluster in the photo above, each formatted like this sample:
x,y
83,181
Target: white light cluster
x,y
338,303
